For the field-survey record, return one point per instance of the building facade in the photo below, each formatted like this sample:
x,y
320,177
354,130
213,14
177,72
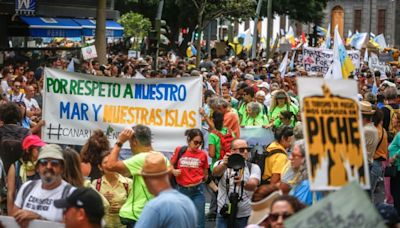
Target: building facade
x,y
9,13
376,16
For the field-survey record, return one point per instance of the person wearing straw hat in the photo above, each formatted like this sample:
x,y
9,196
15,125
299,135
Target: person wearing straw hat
x,y
371,143
169,208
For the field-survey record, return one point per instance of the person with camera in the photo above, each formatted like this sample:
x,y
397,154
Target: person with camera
x,y
239,179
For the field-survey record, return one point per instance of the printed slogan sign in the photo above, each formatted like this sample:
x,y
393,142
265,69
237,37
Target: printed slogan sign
x,y
77,104
333,131
319,60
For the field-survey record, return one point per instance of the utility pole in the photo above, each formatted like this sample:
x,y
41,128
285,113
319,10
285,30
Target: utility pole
x,y
370,20
269,28
158,30
255,31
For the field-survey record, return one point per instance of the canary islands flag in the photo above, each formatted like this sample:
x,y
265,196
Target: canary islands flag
x,y
339,52
191,51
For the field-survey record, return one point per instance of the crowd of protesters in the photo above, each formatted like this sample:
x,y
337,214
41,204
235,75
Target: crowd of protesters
x,y
93,187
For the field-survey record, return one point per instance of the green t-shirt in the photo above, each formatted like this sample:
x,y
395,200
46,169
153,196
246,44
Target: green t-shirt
x,y
139,195
260,120
274,114
213,139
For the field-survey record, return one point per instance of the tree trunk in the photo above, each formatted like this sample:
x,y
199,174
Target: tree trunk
x,y
100,35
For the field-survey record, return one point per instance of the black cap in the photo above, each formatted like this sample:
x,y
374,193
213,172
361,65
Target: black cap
x,y
85,198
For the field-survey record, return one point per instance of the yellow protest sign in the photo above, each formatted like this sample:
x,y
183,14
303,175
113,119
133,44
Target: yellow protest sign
x,y
333,132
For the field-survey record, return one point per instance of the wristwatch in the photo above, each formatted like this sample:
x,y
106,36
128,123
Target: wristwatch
x,y
119,144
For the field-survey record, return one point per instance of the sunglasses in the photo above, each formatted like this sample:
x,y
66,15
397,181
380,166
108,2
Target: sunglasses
x,y
53,162
213,81
197,142
242,150
275,217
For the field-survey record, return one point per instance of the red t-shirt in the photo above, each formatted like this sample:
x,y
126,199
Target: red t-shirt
x,y
191,164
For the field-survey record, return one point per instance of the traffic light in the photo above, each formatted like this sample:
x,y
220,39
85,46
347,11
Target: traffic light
x,y
153,41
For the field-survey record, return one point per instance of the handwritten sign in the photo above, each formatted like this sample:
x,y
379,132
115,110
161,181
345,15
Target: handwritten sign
x,y
319,60
77,104
332,123
89,52
349,207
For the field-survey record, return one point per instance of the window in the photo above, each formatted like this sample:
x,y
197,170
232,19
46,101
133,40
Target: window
x,y
357,20
381,21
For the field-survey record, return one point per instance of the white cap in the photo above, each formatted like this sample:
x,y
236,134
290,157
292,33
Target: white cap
x,y
263,85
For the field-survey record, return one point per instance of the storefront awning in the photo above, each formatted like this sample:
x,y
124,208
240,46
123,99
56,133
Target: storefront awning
x,y
113,29
52,27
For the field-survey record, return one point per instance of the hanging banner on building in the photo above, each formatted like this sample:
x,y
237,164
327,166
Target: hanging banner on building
x,y
332,124
318,60
25,7
74,105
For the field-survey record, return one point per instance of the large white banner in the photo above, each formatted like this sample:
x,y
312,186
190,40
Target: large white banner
x,y
74,105
335,148
319,60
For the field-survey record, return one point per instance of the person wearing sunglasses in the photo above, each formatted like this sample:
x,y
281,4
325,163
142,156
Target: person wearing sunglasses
x,y
282,208
35,198
248,177
16,95
191,170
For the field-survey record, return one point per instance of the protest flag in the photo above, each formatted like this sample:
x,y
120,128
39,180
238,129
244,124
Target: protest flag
x,y
303,38
328,38
283,66
292,60
340,53
290,37
366,58
191,51
358,39
380,40
321,31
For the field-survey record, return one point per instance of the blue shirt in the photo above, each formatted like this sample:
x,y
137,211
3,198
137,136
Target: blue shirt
x,y
169,209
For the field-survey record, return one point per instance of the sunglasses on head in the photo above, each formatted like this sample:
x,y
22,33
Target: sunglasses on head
x,y
275,216
53,162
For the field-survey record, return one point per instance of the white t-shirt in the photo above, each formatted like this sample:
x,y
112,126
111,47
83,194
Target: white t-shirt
x,y
5,86
244,207
16,98
41,200
31,103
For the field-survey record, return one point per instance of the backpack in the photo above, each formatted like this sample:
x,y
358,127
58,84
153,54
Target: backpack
x,y
182,150
11,144
32,184
258,157
225,141
98,186
392,129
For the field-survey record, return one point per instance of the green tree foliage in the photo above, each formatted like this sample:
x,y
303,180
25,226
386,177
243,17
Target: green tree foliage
x,y
301,10
135,26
